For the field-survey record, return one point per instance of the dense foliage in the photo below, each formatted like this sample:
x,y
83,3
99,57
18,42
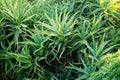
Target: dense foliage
x,y
110,68
59,39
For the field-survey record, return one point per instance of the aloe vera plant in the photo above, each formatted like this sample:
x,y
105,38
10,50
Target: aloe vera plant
x,y
15,15
59,30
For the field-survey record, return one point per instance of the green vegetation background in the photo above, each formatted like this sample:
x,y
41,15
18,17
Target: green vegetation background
x,y
59,39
